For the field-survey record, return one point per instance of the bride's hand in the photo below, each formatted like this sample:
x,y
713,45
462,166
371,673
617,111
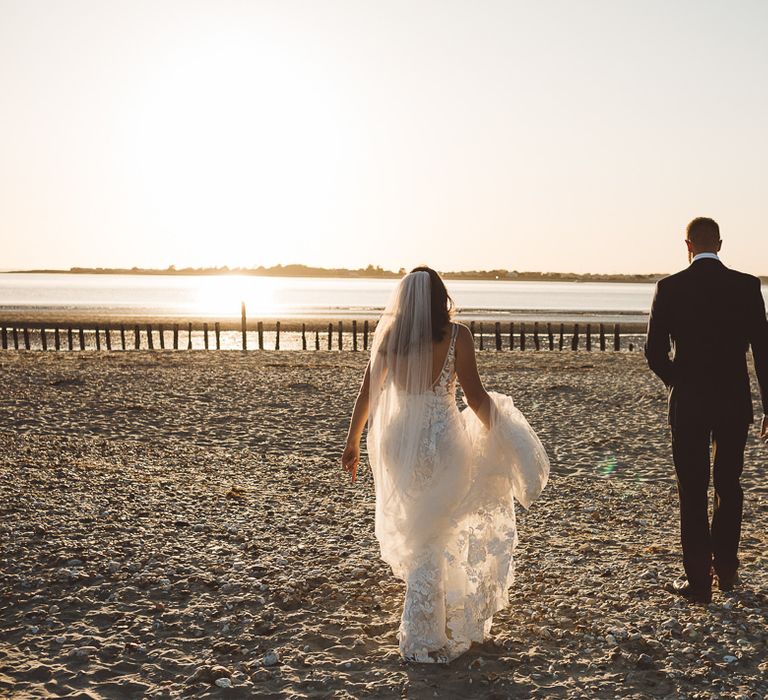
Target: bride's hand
x,y
351,458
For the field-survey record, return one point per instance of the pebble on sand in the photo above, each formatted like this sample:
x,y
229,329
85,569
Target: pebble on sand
x,y
271,658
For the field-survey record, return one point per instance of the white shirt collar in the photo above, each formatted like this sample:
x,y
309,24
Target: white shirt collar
x,y
705,256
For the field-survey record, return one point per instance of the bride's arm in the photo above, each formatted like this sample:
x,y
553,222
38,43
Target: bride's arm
x,y
351,456
466,370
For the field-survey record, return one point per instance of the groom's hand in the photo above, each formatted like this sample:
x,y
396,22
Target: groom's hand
x,y
764,430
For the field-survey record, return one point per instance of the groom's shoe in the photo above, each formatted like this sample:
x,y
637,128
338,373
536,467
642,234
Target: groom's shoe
x,y
728,583
693,594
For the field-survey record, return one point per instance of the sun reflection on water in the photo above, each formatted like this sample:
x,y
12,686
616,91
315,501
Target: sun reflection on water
x,y
222,295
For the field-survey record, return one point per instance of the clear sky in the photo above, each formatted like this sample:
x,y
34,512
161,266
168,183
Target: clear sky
x,y
570,135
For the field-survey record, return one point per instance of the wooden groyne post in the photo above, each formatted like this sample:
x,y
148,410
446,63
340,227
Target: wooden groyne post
x,y
536,343
43,339
522,337
98,340
575,338
481,336
189,337
354,336
365,335
260,333
217,331
175,336
205,336
243,325
277,335
341,334
497,336
617,337
602,337
550,337
122,336
330,336
589,337
81,336
303,336
511,336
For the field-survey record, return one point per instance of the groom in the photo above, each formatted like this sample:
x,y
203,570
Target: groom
x,y
712,315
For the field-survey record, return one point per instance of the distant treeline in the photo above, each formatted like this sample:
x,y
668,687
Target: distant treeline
x,y
371,272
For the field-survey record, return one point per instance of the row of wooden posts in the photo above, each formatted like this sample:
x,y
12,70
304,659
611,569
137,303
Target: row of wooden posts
x,y
550,339
11,336
515,337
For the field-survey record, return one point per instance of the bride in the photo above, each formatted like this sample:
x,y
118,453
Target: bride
x,y
444,478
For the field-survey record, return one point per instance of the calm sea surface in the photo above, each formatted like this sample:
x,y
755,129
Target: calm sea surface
x,y
306,297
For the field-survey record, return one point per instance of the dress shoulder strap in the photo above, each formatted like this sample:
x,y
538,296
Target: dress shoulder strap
x,y
448,364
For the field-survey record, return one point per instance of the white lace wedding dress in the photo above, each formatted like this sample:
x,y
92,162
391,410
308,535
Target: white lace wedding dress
x,y
448,528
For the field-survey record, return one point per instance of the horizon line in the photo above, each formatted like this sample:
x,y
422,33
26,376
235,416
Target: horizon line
x,y
308,269
371,271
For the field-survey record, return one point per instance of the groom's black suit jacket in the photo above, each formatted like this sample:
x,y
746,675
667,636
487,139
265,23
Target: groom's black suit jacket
x,y
712,315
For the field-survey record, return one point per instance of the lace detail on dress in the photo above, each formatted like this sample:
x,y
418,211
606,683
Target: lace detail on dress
x,y
422,628
452,595
439,417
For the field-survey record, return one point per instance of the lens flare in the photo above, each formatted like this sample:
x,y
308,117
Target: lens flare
x,y
608,466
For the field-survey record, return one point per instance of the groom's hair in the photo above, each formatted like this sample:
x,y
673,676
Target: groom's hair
x,y
703,231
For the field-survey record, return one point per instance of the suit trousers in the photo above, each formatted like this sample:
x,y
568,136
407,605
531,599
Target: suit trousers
x,y
705,546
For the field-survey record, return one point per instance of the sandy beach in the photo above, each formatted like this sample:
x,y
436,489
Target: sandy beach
x,y
177,525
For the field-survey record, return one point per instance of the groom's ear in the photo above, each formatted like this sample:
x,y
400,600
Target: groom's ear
x,y
689,245
719,245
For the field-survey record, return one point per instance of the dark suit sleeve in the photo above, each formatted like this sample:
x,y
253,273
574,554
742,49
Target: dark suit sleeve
x,y
657,344
758,339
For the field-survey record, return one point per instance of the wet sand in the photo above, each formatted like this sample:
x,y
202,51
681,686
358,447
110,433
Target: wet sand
x,y
176,523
